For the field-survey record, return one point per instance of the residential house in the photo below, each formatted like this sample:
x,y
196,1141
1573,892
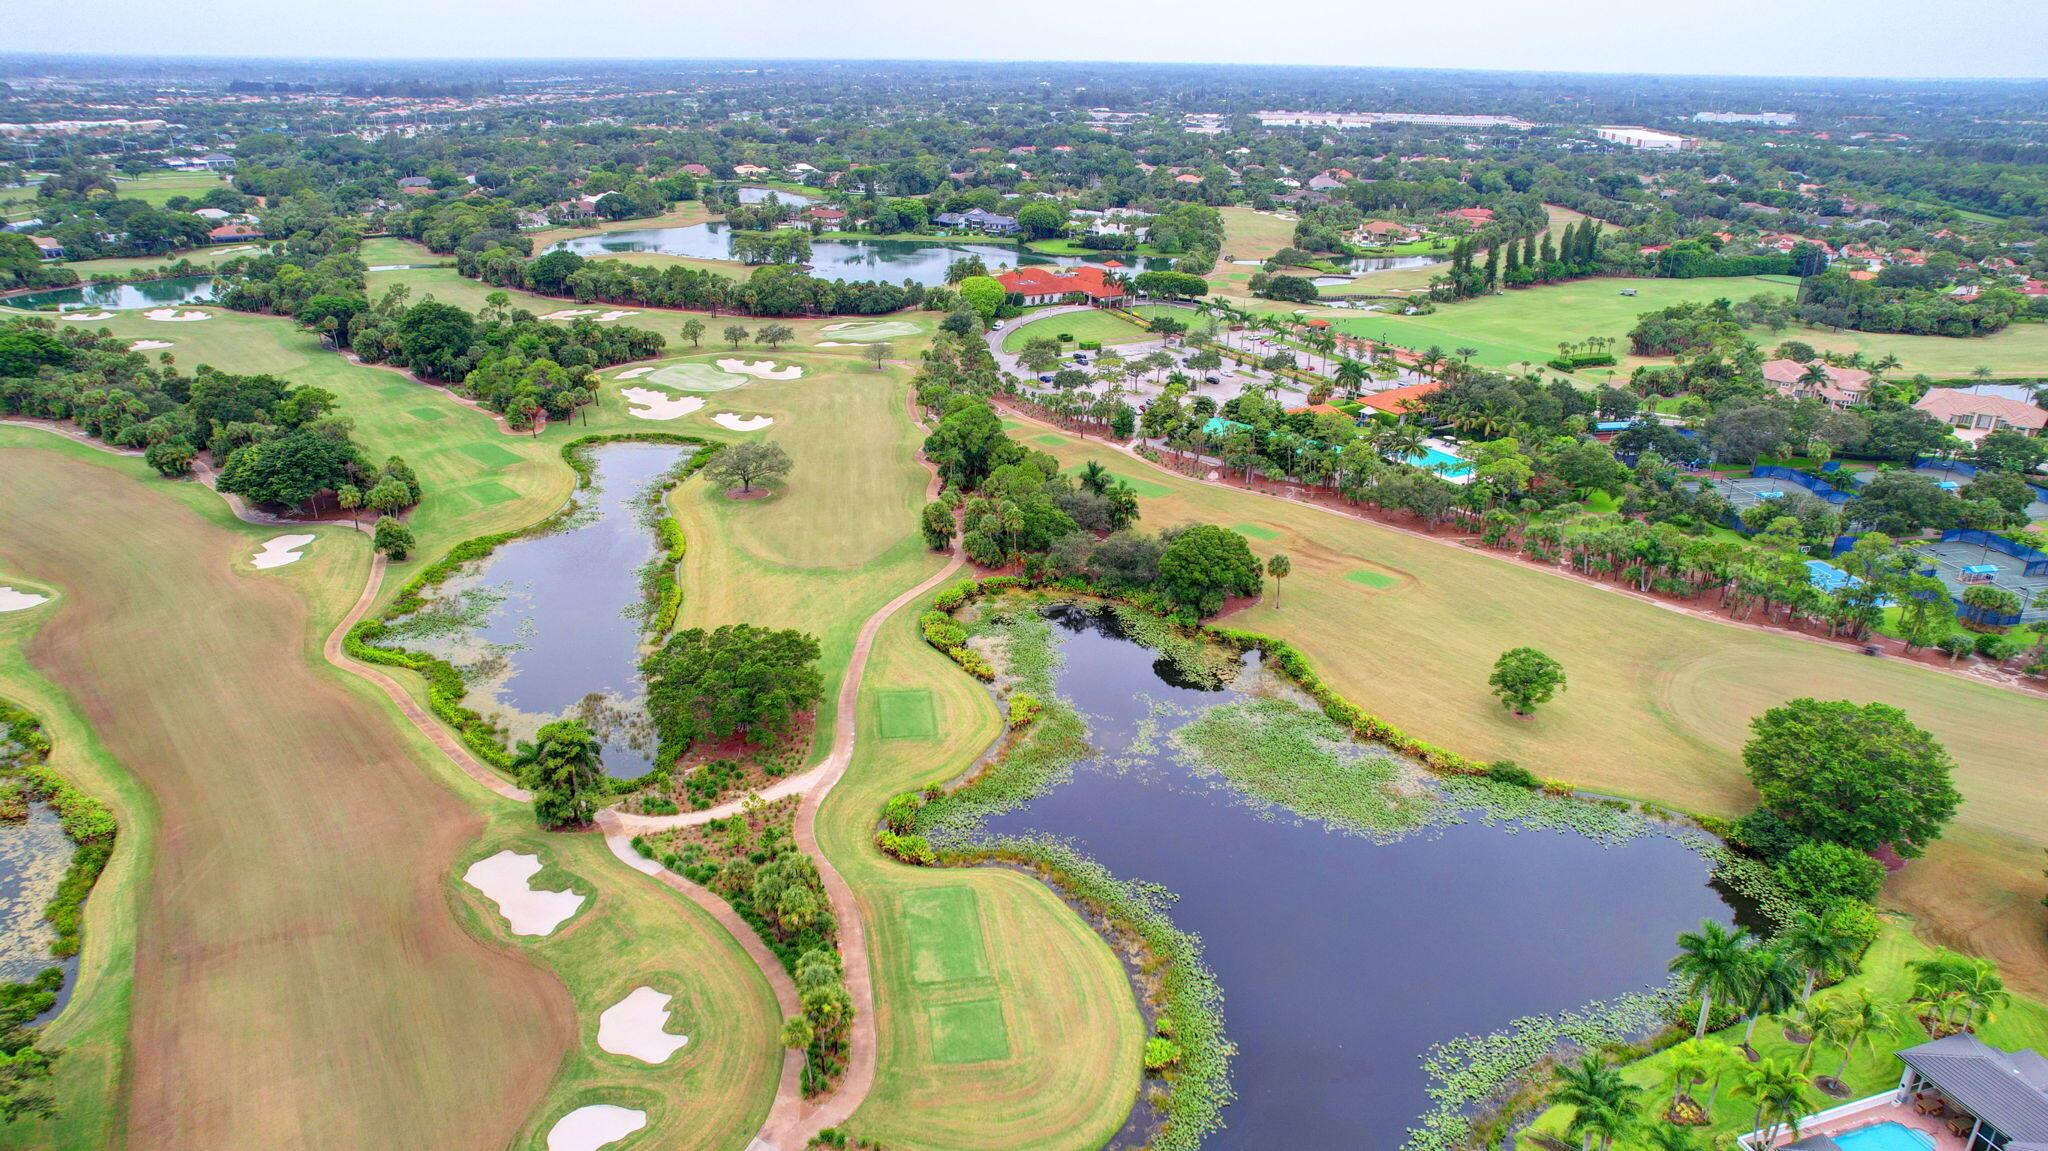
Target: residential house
x,y
48,248
1844,386
234,233
978,220
415,185
1042,285
217,162
1385,232
1477,217
1399,401
749,171
1975,416
830,219
697,170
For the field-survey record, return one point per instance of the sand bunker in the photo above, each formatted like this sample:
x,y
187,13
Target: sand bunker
x,y
503,878
871,329
280,551
89,316
148,345
608,317
761,369
741,423
633,1026
649,404
589,1128
634,373
14,599
174,316
695,378
570,313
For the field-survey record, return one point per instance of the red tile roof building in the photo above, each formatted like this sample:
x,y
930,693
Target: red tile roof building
x,y
1041,285
1398,401
1974,416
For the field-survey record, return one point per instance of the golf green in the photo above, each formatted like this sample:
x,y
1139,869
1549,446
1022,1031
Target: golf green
x,y
970,1032
1255,531
1372,579
905,714
945,934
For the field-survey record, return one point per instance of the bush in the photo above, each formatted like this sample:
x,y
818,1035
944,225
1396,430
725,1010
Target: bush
x,y
394,539
915,850
1161,1053
1023,709
1766,835
901,812
1817,874
1510,772
1090,345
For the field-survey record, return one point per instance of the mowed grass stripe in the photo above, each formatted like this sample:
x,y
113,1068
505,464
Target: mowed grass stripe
x,y
299,981
944,924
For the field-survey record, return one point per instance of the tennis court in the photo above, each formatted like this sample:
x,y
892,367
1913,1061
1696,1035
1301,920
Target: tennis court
x,y
1961,566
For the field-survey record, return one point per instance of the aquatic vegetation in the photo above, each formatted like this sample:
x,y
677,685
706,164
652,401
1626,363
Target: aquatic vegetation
x,y
1278,752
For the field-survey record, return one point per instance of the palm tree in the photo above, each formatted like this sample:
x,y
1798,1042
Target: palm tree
x,y
1982,991
1712,962
1773,986
1861,1022
1603,1103
1820,943
1815,1019
1689,1064
1780,1093
1094,477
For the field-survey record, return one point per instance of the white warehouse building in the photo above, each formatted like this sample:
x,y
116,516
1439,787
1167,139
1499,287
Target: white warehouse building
x,y
1648,139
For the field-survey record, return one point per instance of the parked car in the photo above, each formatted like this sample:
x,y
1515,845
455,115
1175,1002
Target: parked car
x,y
1080,357
1211,380
1045,377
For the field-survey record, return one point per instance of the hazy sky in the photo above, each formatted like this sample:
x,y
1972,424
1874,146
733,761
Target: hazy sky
x,y
1960,38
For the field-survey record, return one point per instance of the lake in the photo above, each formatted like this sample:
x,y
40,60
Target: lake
x,y
1344,958
119,297
891,261
548,627
34,855
793,199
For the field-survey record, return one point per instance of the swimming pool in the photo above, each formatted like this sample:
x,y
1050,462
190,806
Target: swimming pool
x,y
1884,1137
1439,461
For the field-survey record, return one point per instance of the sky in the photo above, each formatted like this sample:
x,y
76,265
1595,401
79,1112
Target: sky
x,y
1871,38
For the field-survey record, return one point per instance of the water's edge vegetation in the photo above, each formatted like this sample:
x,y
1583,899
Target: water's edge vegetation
x,y
1474,1078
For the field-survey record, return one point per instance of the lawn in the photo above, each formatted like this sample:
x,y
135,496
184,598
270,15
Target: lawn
x,y
1005,1021
1253,235
158,187
1095,325
130,265
1659,699
2022,1024
298,980
384,251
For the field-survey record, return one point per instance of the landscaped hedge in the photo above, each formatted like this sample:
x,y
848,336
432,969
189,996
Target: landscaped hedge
x,y
445,689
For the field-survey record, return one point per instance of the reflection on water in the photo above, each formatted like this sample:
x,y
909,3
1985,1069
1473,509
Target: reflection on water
x,y
1344,959
549,626
118,297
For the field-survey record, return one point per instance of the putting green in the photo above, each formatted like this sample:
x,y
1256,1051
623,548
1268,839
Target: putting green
x,y
430,415
1255,531
870,330
488,454
486,493
944,925
1372,579
693,378
970,1032
906,713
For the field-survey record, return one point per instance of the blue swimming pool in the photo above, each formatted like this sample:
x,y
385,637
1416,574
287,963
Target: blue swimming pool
x,y
1884,1137
1439,461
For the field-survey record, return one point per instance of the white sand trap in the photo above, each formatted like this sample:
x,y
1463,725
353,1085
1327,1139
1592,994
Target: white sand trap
x,y
174,316
589,1128
649,404
608,317
871,329
84,316
633,1027
14,599
280,551
633,373
761,369
503,877
570,313
741,423
148,345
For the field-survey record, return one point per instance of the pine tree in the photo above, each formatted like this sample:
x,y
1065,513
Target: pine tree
x,y
1514,262
1492,267
1529,250
1549,253
1568,247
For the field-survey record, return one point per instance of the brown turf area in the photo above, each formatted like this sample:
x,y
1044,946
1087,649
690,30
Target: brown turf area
x,y
300,979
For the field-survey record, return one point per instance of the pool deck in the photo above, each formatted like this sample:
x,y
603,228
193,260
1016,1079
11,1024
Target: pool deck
x,y
1870,1112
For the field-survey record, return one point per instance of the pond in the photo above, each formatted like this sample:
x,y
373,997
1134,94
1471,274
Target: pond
x,y
119,297
549,626
793,199
1344,958
34,854
891,261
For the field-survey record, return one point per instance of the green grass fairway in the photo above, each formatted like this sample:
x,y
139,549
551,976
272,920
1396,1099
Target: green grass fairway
x,y
157,187
384,251
970,1032
944,926
906,714
1250,235
488,454
871,331
124,265
489,493
1255,531
1136,479
1102,327
1526,325
1049,440
1372,579
428,414
694,377
1659,700
339,981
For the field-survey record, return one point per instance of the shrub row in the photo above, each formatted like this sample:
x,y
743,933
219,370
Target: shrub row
x,y
445,689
